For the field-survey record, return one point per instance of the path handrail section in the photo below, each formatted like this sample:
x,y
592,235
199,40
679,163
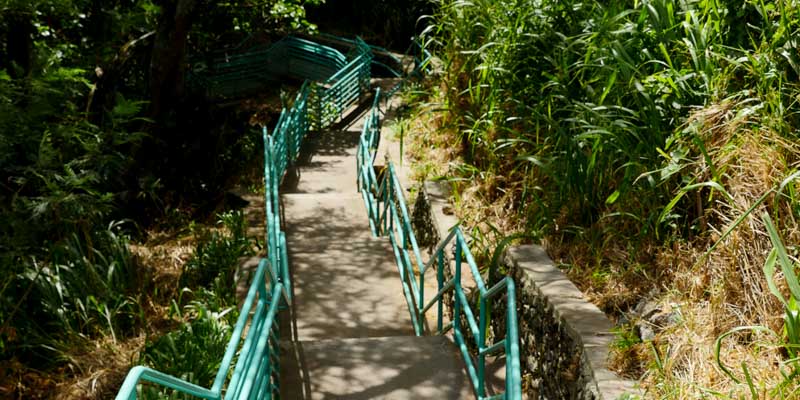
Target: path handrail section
x,y
257,368
255,373
290,57
365,157
280,149
377,51
385,202
344,88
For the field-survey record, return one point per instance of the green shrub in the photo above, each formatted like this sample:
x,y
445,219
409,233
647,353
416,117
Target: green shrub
x,y
88,288
217,254
194,351
65,271
583,107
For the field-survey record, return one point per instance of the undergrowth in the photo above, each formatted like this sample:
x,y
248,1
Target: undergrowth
x,y
205,309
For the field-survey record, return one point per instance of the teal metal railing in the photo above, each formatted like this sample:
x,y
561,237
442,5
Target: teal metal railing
x,y
365,157
333,96
255,374
335,81
384,200
227,74
280,149
381,56
420,56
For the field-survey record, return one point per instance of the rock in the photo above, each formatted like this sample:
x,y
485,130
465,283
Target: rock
x,y
647,306
664,319
646,309
646,333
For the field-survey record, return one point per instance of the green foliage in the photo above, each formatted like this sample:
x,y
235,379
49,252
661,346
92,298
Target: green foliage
x,y
778,254
88,288
233,22
194,351
66,270
588,104
626,337
76,153
624,125
217,254
388,23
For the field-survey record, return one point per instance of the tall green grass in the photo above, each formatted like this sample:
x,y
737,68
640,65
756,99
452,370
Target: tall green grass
x,y
621,123
217,254
586,104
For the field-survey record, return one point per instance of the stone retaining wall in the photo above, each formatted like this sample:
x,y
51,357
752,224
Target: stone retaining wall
x,y
564,338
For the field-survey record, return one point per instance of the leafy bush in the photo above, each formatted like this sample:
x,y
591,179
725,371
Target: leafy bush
x,y
194,351
217,253
87,288
66,270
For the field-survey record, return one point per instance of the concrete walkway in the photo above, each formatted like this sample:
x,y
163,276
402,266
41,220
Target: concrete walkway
x,y
351,329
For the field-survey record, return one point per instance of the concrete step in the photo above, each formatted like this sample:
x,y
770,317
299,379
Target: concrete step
x,y
327,164
426,367
345,281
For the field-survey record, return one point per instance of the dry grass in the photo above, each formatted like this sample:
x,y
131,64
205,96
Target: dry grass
x,y
709,295
96,369
728,288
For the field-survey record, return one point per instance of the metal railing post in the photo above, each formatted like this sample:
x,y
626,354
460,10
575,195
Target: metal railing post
x,y
440,279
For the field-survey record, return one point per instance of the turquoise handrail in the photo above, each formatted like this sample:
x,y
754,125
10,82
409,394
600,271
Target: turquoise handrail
x,y
290,57
375,50
384,200
367,149
343,89
256,372
257,295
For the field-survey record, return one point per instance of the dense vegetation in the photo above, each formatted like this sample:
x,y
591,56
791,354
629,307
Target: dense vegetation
x,y
391,24
636,140
650,145
103,138
116,246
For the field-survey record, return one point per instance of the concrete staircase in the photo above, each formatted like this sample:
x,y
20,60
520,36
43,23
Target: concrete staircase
x,y
352,336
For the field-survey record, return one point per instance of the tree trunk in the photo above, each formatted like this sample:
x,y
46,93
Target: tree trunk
x,y
169,50
102,98
19,45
